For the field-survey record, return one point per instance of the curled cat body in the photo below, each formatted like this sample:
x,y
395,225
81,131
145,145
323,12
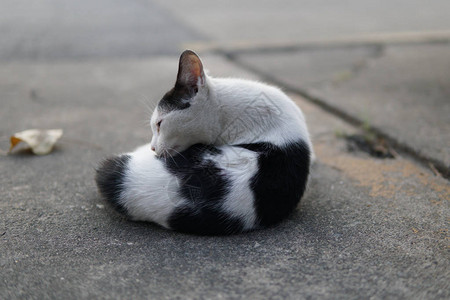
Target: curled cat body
x,y
226,156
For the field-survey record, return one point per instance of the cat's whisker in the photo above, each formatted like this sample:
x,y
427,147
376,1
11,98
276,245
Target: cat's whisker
x,y
147,123
171,157
178,153
148,104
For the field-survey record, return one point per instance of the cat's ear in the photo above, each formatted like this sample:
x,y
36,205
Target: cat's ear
x,y
190,70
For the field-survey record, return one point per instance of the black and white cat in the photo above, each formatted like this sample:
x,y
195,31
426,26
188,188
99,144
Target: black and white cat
x,y
227,156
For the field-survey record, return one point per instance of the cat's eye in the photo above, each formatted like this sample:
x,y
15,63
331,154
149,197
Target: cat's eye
x,y
158,125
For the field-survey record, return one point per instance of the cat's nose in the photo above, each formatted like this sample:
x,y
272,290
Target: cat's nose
x,y
153,148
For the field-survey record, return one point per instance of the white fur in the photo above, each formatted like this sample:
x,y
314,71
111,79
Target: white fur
x,y
240,165
230,111
151,191
224,112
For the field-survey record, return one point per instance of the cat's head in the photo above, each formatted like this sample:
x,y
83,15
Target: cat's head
x,y
181,117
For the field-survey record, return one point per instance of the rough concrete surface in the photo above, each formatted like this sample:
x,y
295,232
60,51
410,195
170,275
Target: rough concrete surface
x,y
366,228
300,20
49,30
401,90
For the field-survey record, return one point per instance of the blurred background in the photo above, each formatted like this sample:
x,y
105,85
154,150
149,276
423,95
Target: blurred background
x,y
382,63
61,30
367,228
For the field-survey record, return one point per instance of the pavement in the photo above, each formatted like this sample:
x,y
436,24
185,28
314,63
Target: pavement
x,y
366,228
399,89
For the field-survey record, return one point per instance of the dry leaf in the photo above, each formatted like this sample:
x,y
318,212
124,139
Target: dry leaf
x,y
40,141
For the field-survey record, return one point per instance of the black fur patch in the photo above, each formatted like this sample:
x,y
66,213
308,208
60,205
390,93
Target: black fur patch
x,y
173,99
110,179
204,185
280,181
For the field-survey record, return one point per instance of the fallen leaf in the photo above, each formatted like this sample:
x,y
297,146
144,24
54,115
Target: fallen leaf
x,y
40,141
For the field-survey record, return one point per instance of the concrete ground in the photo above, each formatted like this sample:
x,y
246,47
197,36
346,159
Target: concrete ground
x,y
401,90
367,227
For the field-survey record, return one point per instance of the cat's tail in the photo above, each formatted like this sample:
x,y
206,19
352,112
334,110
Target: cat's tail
x,y
207,189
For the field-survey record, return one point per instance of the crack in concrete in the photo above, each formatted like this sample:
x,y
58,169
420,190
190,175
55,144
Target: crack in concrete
x,y
400,147
377,53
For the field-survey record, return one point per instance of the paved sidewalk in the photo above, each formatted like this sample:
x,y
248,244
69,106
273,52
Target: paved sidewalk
x,y
250,21
401,90
366,228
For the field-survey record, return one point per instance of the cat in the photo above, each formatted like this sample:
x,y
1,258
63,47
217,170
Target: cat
x,y
226,156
